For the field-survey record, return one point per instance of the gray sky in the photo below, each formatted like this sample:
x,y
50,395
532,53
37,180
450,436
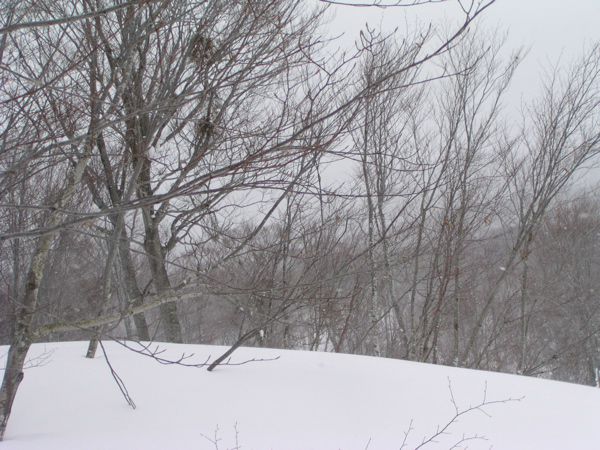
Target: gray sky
x,y
551,30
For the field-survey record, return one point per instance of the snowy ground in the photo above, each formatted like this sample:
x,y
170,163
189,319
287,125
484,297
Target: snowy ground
x,y
300,401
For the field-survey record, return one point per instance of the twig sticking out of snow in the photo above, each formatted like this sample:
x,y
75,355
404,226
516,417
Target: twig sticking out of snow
x,y
40,360
154,351
443,430
117,378
216,439
37,361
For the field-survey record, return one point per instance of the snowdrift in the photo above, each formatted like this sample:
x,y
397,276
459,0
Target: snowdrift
x,y
301,400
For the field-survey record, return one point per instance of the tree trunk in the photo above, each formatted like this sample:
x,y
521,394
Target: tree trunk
x,y
134,294
156,259
523,318
23,333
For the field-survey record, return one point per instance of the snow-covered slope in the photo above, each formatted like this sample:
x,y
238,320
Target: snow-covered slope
x,y
300,401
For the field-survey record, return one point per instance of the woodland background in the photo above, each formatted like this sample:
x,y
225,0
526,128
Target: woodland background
x,y
213,172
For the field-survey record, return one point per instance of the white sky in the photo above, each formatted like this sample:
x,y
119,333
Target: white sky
x,y
550,30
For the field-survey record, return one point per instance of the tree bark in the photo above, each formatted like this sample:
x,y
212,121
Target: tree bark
x,y
157,262
23,333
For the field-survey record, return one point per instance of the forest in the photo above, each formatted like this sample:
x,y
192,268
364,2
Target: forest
x,y
220,172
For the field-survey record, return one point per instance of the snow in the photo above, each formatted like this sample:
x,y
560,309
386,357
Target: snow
x,y
302,400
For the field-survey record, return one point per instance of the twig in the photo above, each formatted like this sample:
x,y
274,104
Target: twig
x,y
382,5
36,361
40,360
70,19
216,439
237,436
406,433
117,378
459,413
154,351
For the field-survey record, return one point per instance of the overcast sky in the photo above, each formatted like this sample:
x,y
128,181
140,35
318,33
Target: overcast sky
x,y
551,31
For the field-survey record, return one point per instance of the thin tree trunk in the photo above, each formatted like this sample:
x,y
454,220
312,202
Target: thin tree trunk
x,y
456,321
413,287
523,318
106,289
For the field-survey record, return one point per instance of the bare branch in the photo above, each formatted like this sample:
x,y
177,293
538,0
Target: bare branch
x,y
72,19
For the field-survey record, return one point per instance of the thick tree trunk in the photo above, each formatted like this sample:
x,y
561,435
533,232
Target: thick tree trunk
x,y
12,379
156,259
132,289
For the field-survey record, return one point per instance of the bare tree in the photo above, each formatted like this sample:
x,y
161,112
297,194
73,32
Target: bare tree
x,y
558,139
179,112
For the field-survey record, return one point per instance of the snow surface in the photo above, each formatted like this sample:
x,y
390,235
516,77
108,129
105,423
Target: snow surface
x,y
303,400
